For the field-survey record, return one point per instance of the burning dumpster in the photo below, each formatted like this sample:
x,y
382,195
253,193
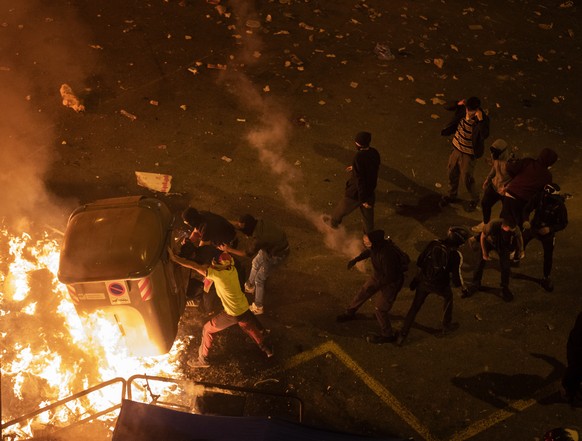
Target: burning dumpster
x,y
114,260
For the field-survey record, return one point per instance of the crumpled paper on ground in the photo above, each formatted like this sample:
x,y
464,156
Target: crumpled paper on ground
x,y
154,181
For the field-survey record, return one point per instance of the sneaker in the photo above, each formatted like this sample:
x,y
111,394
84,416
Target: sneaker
x,y
249,289
198,363
506,294
478,228
447,200
256,310
381,339
345,317
547,284
268,350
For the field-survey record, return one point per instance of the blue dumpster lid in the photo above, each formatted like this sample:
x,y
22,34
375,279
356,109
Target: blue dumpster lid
x,y
114,239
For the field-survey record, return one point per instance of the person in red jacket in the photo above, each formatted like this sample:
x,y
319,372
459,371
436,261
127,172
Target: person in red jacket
x,y
529,176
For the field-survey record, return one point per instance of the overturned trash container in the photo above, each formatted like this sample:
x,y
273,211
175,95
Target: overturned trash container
x,y
114,261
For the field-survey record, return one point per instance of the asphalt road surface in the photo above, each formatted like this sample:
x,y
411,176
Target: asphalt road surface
x,y
252,107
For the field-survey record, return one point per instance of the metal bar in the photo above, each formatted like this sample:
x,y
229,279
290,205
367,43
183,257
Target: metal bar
x,y
70,398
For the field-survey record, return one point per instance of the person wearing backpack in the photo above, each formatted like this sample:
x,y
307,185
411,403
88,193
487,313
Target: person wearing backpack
x,y
549,216
440,262
389,264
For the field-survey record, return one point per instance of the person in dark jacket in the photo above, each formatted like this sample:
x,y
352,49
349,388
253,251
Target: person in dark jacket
x,y
572,379
387,279
435,277
549,216
268,246
470,127
209,228
361,186
503,237
528,178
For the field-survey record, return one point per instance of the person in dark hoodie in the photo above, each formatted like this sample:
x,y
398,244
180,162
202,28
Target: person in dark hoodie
x,y
550,215
361,186
470,127
529,176
387,279
439,264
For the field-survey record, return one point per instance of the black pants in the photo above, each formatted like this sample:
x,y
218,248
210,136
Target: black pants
x,y
347,205
512,209
383,302
422,291
548,243
489,199
504,264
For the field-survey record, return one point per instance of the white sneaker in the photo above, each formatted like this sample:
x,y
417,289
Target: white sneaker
x,y
478,228
256,310
249,289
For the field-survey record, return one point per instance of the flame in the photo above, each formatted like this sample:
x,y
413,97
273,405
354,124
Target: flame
x,y
48,353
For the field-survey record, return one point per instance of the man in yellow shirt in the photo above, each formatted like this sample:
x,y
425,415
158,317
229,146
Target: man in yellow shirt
x,y
236,307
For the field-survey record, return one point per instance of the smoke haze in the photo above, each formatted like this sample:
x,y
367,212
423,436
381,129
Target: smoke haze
x,y
271,138
42,48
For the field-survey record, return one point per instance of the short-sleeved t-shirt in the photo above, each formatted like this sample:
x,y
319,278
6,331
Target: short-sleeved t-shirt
x,y
228,290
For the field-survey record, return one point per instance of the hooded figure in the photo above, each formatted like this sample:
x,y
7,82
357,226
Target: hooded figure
x,y
529,175
386,280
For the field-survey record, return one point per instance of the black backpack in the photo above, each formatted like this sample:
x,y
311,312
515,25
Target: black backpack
x,y
551,212
403,257
434,261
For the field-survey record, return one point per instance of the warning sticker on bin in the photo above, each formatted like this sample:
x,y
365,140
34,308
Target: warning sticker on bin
x,y
118,292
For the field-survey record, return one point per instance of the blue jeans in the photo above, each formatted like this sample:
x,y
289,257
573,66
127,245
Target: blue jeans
x,y
261,268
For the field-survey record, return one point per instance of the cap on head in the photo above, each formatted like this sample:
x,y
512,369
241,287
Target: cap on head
x,y
473,103
223,261
363,139
497,148
458,235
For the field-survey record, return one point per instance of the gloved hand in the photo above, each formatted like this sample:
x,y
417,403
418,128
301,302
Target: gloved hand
x,y
351,263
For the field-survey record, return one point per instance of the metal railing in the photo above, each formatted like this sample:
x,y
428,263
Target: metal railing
x,y
191,389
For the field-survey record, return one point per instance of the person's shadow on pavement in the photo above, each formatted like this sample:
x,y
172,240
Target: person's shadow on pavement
x,y
500,390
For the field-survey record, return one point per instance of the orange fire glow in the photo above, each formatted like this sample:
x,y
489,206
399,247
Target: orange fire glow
x,y
47,352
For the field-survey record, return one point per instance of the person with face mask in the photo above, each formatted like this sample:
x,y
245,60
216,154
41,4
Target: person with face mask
x,y
387,280
470,128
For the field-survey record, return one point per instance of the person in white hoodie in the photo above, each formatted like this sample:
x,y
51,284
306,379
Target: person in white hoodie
x,y
495,182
